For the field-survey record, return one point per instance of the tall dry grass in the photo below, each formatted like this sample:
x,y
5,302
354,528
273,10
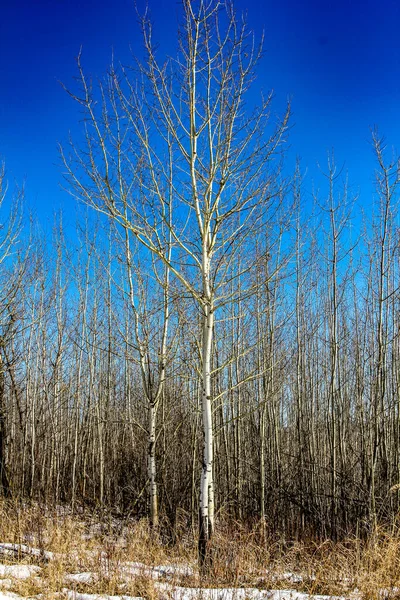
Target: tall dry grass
x,y
241,557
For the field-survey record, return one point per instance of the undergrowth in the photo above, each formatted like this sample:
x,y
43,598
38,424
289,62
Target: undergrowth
x,y
119,558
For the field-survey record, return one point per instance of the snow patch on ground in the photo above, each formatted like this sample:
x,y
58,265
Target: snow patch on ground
x,y
174,570
71,595
182,593
18,571
159,572
163,575
87,577
292,577
22,549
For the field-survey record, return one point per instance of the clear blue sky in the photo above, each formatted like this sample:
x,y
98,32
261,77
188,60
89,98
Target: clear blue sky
x,y
338,61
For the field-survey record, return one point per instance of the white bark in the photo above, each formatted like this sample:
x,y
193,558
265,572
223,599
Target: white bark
x,y
152,467
218,179
207,481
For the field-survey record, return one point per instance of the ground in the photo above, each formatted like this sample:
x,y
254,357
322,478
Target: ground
x,y
52,553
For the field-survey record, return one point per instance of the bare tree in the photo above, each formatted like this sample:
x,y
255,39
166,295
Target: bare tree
x,y
11,273
149,299
384,248
175,139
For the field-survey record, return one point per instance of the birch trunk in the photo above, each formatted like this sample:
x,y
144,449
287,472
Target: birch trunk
x,y
207,483
221,186
152,467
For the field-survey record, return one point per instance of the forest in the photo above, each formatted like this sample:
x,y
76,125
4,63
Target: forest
x,y
210,348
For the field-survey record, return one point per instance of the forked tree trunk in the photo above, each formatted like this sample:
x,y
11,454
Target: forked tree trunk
x,y
152,396
226,175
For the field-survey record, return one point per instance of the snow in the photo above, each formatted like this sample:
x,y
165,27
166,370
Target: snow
x,y
18,549
292,577
18,571
135,569
163,576
78,596
161,571
172,570
86,577
181,593
294,595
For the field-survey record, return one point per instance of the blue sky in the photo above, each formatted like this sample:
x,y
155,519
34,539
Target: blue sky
x,y
338,61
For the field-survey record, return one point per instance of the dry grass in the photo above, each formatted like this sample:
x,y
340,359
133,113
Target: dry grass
x,y
352,568
368,569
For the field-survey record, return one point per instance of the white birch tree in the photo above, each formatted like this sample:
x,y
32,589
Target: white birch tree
x,y
172,147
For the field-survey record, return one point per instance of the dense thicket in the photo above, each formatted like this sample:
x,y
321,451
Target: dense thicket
x,y
216,317
305,386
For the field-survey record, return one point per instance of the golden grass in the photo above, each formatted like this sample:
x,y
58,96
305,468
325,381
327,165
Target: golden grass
x,y
368,569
